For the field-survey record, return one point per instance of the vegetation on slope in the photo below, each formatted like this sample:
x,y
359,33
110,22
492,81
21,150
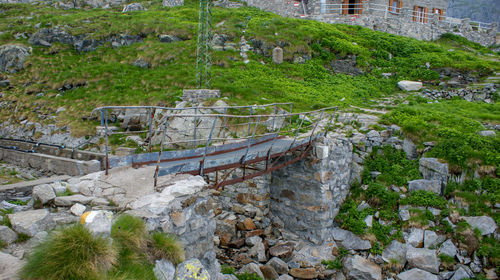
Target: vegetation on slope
x,y
108,77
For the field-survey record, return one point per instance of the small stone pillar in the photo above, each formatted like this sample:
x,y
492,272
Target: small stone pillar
x,y
278,55
173,3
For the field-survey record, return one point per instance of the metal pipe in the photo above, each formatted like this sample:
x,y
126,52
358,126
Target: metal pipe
x,y
157,170
202,164
106,134
250,140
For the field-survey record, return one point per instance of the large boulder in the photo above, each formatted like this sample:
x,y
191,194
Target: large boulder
x,y
415,237
12,57
410,85
426,185
9,267
416,273
44,193
133,7
423,258
357,267
448,248
484,223
47,36
252,268
279,265
31,222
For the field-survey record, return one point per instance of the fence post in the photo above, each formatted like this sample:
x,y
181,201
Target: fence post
x,y
202,164
195,125
250,140
150,114
157,170
106,134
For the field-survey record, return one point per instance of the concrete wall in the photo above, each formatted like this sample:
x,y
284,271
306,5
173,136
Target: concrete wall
x,y
57,165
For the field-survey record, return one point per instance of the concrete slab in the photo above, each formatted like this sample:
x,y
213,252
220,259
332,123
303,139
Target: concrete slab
x,y
30,184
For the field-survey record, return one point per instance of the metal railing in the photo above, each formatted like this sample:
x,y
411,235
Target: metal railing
x,y
203,131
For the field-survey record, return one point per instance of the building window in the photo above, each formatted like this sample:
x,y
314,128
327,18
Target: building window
x,y
420,14
395,6
439,12
352,7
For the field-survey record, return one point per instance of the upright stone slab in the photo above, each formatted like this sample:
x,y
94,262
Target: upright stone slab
x,y
173,3
278,55
307,195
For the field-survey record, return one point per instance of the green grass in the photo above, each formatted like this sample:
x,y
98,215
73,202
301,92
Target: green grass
x,y
70,253
111,79
167,246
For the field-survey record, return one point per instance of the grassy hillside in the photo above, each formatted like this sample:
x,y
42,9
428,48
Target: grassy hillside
x,y
110,78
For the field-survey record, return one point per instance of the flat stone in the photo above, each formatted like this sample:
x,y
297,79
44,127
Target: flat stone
x,y
68,201
7,236
487,133
415,273
448,248
77,209
304,273
395,251
350,240
279,265
423,258
31,222
285,277
426,185
247,224
484,223
462,273
410,85
357,267
404,215
432,239
282,251
44,193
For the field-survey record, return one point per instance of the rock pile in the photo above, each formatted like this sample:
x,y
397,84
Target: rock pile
x,y
486,94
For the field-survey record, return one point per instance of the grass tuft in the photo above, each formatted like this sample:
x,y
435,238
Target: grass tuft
x,y
70,253
167,246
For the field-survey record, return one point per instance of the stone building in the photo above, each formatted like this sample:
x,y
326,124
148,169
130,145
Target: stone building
x,y
420,19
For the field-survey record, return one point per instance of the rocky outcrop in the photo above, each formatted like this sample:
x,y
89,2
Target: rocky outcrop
x,y
133,7
9,266
357,267
487,93
12,57
31,222
410,85
82,43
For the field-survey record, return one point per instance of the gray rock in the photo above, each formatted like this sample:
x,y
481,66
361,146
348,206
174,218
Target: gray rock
x,y
68,201
191,269
7,236
415,237
410,85
410,149
432,169
165,38
164,270
252,268
44,193
98,222
141,63
257,250
462,273
432,239
487,133
46,36
357,267
31,222
77,209
426,185
484,223
423,258
395,251
12,57
311,255
278,55
4,83
415,273
285,277
350,240
279,265
404,215
9,266
448,248
133,7
374,137
173,3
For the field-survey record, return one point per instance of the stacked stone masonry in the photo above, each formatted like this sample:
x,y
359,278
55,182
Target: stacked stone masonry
x,y
420,19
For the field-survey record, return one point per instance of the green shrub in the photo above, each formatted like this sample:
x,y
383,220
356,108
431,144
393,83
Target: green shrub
x,y
248,276
167,246
22,237
70,253
226,269
425,198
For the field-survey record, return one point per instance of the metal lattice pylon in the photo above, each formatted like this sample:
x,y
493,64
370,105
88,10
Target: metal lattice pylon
x,y
203,50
